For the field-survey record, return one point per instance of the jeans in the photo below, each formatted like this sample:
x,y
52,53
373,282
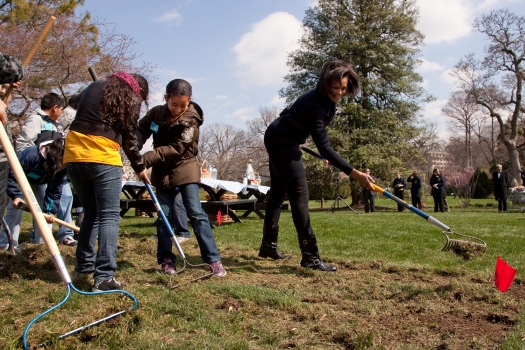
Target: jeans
x,y
179,218
13,217
198,219
98,187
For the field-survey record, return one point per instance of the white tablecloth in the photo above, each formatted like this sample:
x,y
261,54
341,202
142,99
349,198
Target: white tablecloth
x,y
232,186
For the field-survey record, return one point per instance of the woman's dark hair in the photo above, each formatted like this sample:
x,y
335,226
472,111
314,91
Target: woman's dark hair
x,y
54,154
178,87
335,70
120,103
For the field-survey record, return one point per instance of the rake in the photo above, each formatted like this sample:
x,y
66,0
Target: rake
x,y
24,207
167,225
461,245
44,228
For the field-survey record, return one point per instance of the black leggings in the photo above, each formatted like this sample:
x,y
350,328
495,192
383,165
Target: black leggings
x,y
286,179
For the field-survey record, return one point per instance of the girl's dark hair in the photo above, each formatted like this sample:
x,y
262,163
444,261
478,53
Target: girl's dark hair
x,y
120,103
335,70
54,154
178,87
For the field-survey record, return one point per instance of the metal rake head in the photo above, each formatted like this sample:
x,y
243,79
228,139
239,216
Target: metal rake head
x,y
185,264
464,247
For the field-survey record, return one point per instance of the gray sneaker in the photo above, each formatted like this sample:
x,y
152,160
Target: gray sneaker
x,y
70,241
218,269
182,239
168,267
110,284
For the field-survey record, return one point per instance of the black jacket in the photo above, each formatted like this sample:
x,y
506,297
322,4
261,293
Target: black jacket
x,y
307,116
88,121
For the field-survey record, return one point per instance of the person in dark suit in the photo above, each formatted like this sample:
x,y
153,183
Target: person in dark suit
x,y
415,190
399,185
500,179
437,184
368,197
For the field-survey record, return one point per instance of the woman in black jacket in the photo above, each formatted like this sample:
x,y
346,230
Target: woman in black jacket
x,y
308,115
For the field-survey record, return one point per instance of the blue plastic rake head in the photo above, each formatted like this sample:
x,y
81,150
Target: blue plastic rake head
x,y
70,287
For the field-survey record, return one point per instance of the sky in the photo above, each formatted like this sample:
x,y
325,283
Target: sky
x,y
234,52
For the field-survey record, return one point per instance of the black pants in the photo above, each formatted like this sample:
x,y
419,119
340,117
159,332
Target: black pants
x,y
286,181
416,199
400,195
368,198
438,200
502,204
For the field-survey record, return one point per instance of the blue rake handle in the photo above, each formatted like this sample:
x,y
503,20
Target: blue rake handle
x,y
451,243
167,225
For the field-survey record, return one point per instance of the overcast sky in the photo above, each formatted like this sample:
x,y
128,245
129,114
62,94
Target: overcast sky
x,y
234,51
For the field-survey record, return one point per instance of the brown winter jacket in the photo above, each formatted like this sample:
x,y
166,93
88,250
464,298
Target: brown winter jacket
x,y
175,146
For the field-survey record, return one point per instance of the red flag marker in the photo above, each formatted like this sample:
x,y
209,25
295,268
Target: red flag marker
x,y
504,275
219,218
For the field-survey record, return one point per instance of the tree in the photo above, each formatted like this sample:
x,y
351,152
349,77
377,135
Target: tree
x,y
224,146
462,181
256,129
496,83
379,36
73,44
465,116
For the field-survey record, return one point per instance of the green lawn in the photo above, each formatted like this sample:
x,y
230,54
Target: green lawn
x,y
395,288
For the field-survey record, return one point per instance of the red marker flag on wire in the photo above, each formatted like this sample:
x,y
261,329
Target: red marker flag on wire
x,y
504,275
219,218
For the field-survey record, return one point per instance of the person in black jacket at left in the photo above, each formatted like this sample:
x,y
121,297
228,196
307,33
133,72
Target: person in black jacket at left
x,y
415,190
399,185
307,116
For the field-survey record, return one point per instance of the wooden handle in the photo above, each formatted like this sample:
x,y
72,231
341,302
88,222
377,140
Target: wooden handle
x,y
46,30
23,206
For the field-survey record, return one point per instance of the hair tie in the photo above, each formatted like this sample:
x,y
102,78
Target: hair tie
x,y
128,79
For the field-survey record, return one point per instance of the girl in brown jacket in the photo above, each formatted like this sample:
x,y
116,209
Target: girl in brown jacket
x,y
175,130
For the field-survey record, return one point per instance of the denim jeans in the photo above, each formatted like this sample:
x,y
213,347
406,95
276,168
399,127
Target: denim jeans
x,y
179,218
98,187
198,219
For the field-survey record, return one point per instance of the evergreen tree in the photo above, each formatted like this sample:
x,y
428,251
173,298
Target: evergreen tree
x,y
380,37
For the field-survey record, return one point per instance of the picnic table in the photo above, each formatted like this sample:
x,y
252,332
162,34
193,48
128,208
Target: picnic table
x,y
217,188
133,190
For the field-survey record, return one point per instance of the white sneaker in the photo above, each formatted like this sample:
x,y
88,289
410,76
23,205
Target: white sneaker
x,y
70,241
182,239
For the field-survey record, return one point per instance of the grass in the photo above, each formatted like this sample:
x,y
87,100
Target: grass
x,y
394,289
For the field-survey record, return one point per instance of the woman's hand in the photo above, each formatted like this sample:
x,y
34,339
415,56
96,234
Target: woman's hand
x,y
326,162
364,179
143,175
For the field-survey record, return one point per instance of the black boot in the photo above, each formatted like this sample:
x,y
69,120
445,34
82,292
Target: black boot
x,y
269,244
311,257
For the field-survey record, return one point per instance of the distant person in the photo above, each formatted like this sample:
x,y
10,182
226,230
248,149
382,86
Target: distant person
x,y
437,184
399,184
415,190
105,122
500,179
523,177
175,169
368,196
307,116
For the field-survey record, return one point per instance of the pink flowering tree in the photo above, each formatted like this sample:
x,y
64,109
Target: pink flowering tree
x,y
462,181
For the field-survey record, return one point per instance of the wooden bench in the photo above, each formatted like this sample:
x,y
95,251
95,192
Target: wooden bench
x,y
227,207
144,205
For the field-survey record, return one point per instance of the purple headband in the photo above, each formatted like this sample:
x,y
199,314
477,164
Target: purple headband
x,y
128,79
